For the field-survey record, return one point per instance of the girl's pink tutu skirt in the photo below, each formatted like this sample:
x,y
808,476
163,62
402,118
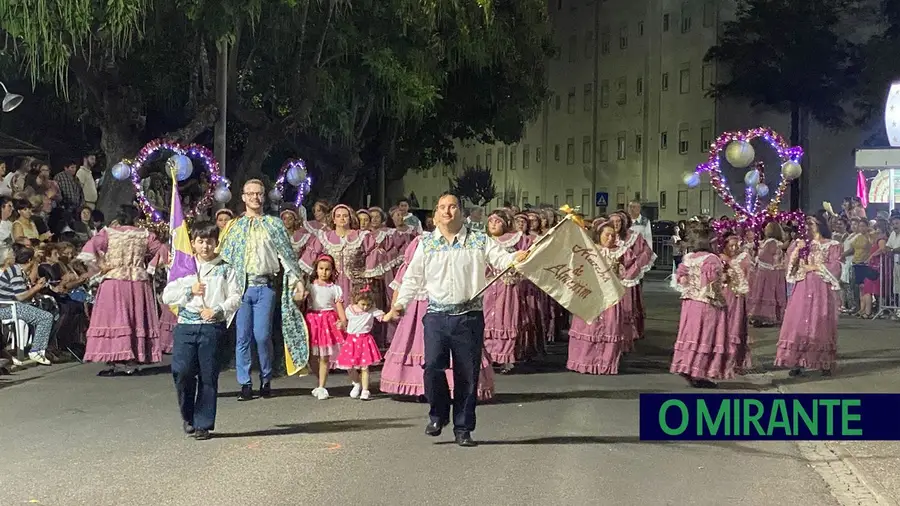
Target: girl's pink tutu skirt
x,y
325,338
358,352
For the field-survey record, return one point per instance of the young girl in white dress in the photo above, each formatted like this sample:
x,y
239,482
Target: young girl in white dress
x,y
325,319
359,350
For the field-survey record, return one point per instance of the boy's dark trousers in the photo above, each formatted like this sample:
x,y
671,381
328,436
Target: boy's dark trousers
x,y
195,367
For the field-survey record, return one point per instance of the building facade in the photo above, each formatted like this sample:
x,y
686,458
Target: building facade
x,y
629,115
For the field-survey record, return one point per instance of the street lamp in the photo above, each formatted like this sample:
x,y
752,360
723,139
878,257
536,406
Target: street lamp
x,y
10,100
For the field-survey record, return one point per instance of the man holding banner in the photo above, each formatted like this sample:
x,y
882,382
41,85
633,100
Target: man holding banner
x,y
450,264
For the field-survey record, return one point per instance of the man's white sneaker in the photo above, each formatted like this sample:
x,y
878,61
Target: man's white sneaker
x,y
365,395
322,394
39,357
354,393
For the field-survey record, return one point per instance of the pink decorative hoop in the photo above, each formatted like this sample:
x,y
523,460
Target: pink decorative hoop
x,y
194,152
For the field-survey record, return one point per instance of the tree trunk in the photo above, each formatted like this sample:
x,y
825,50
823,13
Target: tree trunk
x,y
796,184
339,179
256,149
117,141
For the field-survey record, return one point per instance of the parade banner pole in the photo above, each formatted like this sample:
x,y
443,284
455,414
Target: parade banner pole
x,y
539,241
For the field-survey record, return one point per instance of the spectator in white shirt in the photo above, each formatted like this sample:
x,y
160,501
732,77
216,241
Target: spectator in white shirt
x,y
85,177
639,223
475,221
449,264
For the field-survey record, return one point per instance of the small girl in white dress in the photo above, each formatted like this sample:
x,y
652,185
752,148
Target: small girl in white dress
x,y
359,350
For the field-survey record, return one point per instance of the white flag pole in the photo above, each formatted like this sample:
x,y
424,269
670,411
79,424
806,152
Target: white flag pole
x,y
531,248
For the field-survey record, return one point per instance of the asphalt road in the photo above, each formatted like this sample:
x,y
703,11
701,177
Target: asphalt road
x,y
552,437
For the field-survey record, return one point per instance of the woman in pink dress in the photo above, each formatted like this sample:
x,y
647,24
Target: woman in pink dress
x,y
294,223
394,242
355,252
596,347
703,351
737,264
403,372
510,331
871,286
124,328
808,337
555,317
638,263
321,209
768,290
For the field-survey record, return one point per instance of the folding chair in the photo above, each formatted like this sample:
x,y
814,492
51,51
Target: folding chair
x,y
19,331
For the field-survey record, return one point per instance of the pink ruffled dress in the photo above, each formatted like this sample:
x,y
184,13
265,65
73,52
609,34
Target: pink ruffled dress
x,y
125,320
403,371
359,350
736,289
636,264
510,330
808,337
703,349
597,347
325,338
768,289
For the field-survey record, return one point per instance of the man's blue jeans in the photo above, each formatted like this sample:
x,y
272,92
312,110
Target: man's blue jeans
x,y
254,322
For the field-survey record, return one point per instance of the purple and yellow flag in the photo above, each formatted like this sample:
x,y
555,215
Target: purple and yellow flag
x,y
181,260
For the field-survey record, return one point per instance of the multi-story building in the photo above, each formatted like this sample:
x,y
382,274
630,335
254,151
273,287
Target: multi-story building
x,y
629,115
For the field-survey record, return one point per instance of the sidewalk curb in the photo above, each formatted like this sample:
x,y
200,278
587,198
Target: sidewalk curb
x,y
837,467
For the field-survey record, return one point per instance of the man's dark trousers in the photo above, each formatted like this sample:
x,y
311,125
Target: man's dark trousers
x,y
462,338
195,367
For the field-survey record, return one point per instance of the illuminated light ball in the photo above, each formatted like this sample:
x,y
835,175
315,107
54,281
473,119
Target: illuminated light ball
x,y
691,179
296,175
275,195
740,154
121,171
762,190
791,170
224,181
751,178
222,194
181,166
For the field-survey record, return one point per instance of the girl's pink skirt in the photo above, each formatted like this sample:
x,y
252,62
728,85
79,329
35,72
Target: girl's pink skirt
x,y
358,352
325,338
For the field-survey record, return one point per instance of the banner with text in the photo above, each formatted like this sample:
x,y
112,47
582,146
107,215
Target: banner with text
x,y
569,267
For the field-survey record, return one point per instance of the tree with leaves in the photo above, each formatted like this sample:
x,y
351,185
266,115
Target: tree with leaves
x,y
475,184
788,55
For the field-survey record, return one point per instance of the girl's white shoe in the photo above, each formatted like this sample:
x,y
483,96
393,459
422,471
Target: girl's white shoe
x,y
364,395
322,394
354,393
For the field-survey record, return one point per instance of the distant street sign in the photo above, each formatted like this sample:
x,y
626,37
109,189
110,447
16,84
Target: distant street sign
x,y
602,199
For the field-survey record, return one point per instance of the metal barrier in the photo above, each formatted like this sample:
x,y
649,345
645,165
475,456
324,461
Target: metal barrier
x,y
664,248
888,301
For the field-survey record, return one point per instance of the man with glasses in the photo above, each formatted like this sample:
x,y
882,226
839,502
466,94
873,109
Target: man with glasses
x,y
257,246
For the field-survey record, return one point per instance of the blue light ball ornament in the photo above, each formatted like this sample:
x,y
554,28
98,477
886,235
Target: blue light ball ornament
x,y
181,166
296,175
762,190
751,178
222,194
691,179
275,195
121,171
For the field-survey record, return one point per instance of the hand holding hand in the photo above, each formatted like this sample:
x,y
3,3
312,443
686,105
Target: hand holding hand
x,y
299,294
389,316
198,288
342,324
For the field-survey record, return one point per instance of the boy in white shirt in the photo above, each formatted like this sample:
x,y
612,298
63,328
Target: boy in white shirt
x,y
206,306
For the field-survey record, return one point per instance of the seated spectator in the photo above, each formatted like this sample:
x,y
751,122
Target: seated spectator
x,y
84,227
24,228
14,286
40,214
6,225
98,220
62,281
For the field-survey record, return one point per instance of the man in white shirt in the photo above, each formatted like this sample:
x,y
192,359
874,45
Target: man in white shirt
x,y
449,264
640,224
85,177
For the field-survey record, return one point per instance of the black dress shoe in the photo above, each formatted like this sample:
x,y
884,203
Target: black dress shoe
x,y
265,391
246,393
202,435
465,439
188,428
434,429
